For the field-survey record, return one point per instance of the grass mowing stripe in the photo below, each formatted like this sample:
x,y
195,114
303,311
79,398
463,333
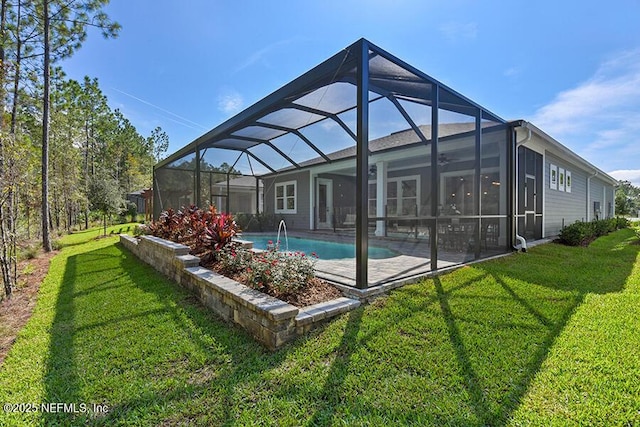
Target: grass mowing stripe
x,y
491,343
592,374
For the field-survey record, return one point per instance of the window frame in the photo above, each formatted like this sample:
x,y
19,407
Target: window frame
x,y
286,197
397,180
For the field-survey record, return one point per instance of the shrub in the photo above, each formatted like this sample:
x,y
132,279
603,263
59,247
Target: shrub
x,y
199,229
166,226
234,259
131,209
281,272
30,253
220,231
601,227
271,271
621,222
580,233
197,223
574,234
140,230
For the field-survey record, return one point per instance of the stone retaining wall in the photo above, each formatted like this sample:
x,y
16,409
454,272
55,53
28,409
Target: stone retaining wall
x,y
271,321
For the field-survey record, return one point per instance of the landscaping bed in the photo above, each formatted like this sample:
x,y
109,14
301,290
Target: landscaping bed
x,y
313,292
258,270
211,237
582,233
270,320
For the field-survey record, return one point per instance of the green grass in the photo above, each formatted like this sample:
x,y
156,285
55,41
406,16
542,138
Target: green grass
x,y
84,236
548,337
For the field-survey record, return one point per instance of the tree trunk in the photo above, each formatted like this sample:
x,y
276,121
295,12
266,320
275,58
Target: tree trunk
x,y
16,76
86,175
5,259
46,242
5,256
3,70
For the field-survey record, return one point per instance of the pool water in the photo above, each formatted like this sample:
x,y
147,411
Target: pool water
x,y
322,248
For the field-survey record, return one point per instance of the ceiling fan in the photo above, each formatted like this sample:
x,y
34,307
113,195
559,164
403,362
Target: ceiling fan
x,y
444,160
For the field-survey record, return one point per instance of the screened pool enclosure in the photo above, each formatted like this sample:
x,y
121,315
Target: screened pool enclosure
x,y
363,150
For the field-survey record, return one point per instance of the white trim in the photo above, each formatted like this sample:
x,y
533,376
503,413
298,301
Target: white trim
x,y
560,151
329,184
553,177
285,197
567,181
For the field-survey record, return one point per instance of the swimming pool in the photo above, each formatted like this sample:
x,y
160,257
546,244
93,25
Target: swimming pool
x,y
322,248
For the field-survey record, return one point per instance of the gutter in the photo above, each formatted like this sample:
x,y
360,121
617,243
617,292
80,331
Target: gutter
x,y
519,238
556,145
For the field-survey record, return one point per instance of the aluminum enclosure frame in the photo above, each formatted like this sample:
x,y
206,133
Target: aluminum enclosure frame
x,y
351,65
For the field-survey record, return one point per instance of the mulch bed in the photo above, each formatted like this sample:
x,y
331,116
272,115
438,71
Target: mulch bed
x,y
316,291
15,312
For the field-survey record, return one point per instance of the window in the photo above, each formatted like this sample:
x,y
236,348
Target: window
x,y
373,194
286,197
490,190
553,177
402,197
458,193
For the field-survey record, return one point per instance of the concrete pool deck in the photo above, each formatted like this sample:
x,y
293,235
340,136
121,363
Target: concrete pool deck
x,y
343,271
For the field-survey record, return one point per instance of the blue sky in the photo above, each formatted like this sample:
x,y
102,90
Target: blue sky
x,y
571,68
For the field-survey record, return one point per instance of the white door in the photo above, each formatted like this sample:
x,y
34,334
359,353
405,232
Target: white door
x,y
324,203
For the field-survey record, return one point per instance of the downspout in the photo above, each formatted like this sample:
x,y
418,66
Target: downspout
x,y
519,238
589,193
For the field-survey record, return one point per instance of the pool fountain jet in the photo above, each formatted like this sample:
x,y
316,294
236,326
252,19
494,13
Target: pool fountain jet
x,y
286,238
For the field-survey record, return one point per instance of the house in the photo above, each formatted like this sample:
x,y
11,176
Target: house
x,y
364,149
143,200
239,195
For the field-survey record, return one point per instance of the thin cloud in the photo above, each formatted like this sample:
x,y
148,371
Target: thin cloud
x,y
230,103
512,71
602,113
180,120
262,55
459,31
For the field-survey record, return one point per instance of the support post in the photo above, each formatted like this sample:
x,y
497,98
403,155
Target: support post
x,y
477,184
362,171
257,196
512,187
228,191
435,187
381,198
197,178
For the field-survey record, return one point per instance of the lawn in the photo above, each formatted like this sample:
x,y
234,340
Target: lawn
x,y
542,338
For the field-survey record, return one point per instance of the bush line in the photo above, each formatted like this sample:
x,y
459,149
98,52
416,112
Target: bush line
x,y
582,233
